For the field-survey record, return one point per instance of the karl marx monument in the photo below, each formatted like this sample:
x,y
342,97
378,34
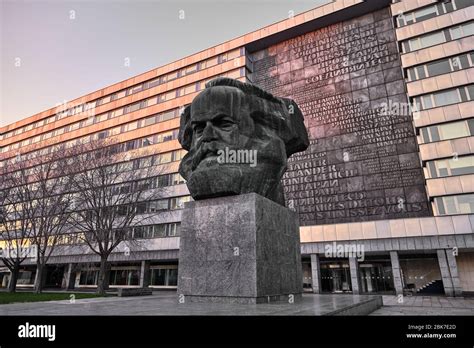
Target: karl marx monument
x,y
239,243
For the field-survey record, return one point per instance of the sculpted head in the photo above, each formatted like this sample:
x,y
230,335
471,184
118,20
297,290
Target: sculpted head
x,y
238,139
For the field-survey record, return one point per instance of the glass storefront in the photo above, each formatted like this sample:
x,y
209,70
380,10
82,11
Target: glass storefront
x,y
335,277
124,277
89,277
164,277
376,277
54,276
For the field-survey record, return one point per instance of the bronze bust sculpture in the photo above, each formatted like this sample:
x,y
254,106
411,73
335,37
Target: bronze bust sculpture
x,y
238,139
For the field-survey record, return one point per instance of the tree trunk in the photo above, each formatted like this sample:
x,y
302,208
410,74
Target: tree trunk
x,y
39,278
15,271
102,283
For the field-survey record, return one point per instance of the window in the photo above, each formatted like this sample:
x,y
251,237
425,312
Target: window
x,y
142,208
114,131
147,141
451,166
233,54
151,101
458,204
100,118
164,276
132,126
178,155
438,68
427,101
135,89
426,13
102,135
132,108
170,95
449,130
121,94
154,82
163,181
105,100
173,229
167,115
190,89
172,76
89,277
130,145
442,7
150,120
159,231
177,179
446,97
438,37
178,202
462,30
190,69
432,39
156,206
124,277
163,158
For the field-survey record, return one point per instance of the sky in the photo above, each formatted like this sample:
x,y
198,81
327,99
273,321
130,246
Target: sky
x,y
53,51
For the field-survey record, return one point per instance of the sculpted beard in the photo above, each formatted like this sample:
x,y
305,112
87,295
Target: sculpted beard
x,y
205,155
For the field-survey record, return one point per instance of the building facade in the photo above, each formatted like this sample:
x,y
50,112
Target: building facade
x,y
385,192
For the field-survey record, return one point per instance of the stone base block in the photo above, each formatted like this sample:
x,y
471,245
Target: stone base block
x,y
239,249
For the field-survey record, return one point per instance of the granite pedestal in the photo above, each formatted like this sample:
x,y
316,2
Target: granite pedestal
x,y
239,249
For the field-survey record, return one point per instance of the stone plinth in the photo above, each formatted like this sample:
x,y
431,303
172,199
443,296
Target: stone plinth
x,y
239,249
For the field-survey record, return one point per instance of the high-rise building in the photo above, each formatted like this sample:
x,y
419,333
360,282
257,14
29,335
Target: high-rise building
x,y
385,192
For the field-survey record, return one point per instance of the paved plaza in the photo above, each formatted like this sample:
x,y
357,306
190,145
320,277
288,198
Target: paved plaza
x,y
426,305
166,303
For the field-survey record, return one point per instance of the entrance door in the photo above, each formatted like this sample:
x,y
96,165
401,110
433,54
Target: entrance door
x,y
54,276
376,277
335,277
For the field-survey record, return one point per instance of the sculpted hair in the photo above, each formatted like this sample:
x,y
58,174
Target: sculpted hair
x,y
280,114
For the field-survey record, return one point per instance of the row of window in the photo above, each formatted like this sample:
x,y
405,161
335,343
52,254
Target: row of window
x,y
157,231
117,148
156,182
131,277
431,11
160,117
444,97
149,183
124,110
438,37
449,130
170,229
155,206
131,90
145,162
441,66
456,204
451,166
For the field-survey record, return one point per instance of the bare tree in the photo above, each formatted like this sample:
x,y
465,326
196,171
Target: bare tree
x,y
110,194
36,209
15,218
52,197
